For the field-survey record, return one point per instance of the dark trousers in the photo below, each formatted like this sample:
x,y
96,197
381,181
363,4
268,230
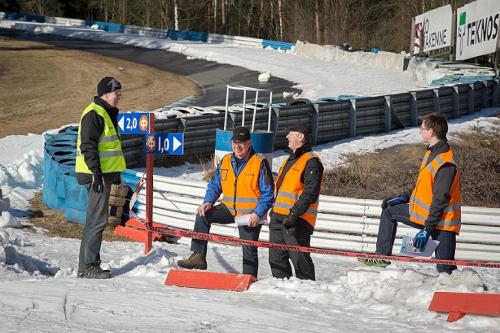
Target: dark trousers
x,y
97,219
401,213
221,215
280,259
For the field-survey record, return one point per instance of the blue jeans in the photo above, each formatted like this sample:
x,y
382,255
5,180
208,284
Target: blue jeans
x,y
97,219
221,215
401,213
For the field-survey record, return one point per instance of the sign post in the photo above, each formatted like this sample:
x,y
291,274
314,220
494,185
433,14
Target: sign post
x,y
171,144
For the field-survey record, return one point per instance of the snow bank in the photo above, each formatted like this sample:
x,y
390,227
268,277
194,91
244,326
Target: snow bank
x,y
21,171
4,240
382,59
436,73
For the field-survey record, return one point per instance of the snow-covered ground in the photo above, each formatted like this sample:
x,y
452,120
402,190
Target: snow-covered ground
x,y
39,290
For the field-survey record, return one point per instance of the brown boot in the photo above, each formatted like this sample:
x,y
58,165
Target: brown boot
x,y
195,260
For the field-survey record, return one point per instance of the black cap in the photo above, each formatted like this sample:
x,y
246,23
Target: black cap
x,y
241,134
107,84
301,129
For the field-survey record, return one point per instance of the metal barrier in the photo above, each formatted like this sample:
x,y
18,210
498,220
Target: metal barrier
x,y
343,223
327,120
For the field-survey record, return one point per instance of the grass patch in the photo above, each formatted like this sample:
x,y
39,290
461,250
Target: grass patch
x,y
391,171
56,225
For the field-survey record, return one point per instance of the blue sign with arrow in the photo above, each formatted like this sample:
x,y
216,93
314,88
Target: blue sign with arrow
x,y
134,123
168,144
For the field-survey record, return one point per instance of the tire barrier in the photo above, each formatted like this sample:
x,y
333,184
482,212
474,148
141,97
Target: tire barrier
x,y
60,188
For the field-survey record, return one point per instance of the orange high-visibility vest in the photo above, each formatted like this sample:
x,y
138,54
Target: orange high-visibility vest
x,y
421,197
241,193
292,187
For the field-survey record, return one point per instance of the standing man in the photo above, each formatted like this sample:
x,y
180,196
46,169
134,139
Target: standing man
x,y
99,162
434,205
245,179
296,207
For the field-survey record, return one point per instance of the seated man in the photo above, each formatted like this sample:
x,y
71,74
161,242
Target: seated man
x,y
245,179
434,205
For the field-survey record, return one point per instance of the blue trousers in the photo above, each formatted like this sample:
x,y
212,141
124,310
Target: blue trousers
x,y
221,215
401,213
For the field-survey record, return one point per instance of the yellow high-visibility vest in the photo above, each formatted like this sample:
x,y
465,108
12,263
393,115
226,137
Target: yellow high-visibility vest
x,y
110,149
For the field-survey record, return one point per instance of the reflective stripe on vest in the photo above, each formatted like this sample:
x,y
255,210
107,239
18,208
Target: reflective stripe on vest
x,y
109,147
292,187
241,193
421,197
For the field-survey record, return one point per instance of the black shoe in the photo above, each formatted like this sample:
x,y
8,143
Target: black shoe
x,y
80,274
95,272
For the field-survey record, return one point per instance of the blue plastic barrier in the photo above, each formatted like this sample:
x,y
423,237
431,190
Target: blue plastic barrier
x,y
106,26
277,45
24,17
60,187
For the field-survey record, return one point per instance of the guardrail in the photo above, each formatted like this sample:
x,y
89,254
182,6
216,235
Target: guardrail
x,y
343,223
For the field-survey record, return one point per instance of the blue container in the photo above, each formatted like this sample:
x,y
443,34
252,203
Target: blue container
x,y
76,194
262,142
75,215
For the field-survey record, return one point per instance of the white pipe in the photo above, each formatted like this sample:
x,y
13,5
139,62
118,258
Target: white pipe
x,y
255,110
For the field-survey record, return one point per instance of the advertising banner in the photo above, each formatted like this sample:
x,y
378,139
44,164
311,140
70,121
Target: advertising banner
x,y
433,30
477,28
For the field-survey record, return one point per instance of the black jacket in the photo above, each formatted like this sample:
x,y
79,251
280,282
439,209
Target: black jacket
x,y
442,185
92,127
311,178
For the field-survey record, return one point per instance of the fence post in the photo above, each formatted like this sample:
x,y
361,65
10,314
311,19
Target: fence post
x,y
470,108
496,92
484,94
275,117
435,100
314,123
456,102
413,108
352,118
387,113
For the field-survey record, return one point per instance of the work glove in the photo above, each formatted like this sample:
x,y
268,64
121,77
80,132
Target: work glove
x,y
117,180
420,240
97,182
289,223
394,200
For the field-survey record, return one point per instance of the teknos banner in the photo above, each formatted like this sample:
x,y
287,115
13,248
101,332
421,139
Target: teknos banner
x,y
433,30
478,25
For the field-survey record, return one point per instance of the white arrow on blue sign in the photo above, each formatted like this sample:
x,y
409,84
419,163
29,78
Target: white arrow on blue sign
x,y
133,123
169,144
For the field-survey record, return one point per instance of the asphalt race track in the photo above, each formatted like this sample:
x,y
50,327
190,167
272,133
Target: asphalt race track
x,y
212,77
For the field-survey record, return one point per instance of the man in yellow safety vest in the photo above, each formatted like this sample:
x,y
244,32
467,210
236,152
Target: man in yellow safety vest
x,y
99,162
